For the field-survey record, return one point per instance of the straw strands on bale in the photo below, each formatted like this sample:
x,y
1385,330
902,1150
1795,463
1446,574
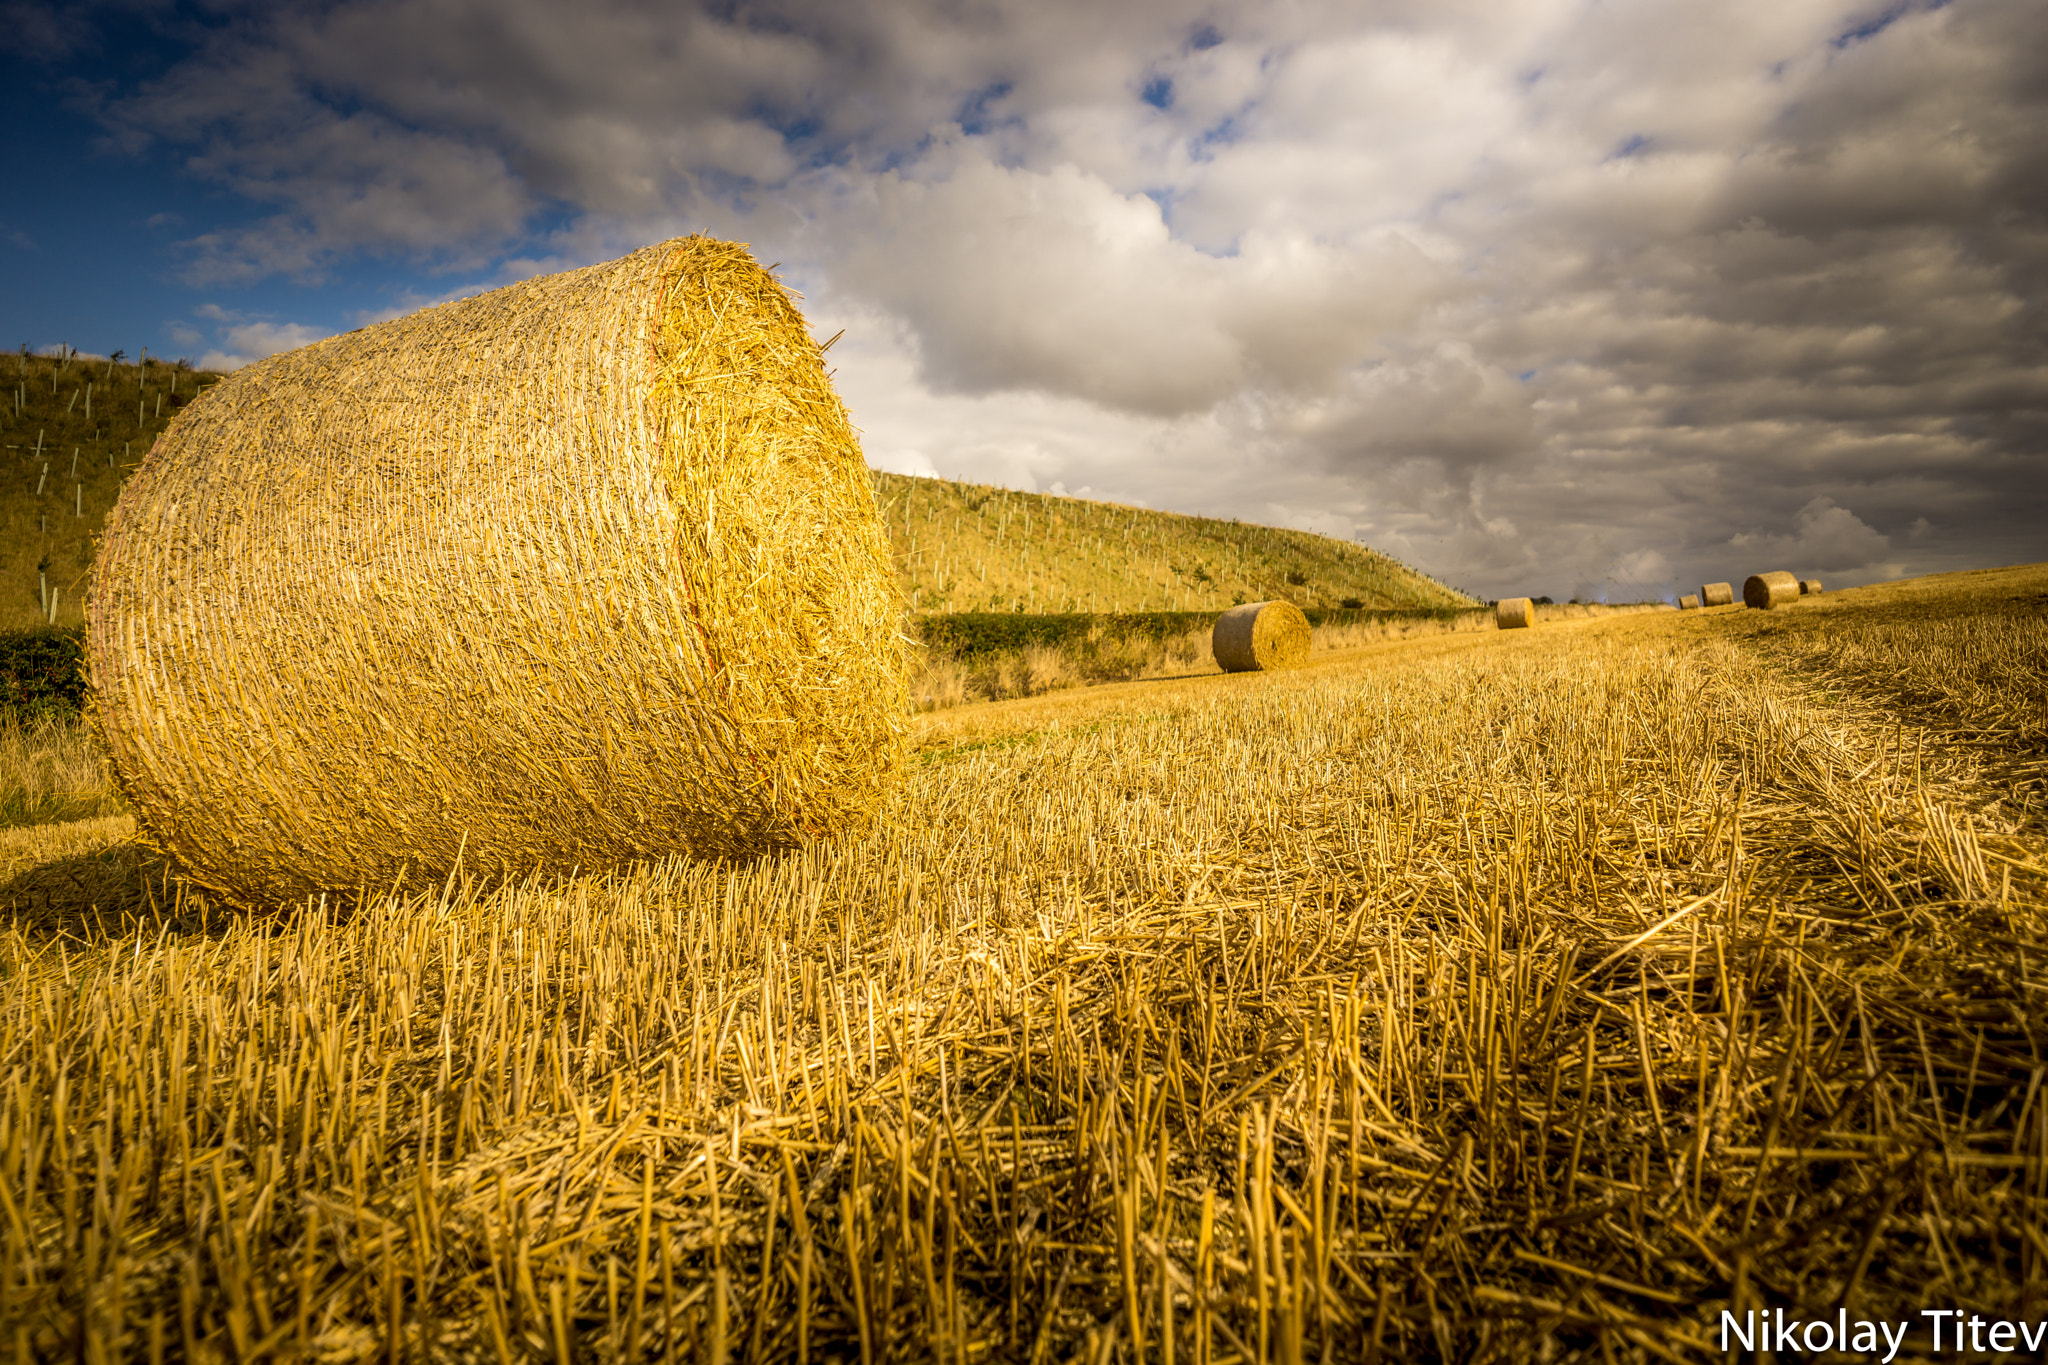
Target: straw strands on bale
x,y
1717,595
578,571
1809,587
1260,635
1767,590
1514,613
1689,602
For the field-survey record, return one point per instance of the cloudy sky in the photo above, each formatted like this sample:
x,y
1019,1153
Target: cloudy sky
x,y
1547,296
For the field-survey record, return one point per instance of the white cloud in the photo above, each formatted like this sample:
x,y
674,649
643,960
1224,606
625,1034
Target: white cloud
x,y
915,463
1825,538
240,342
1642,566
1538,294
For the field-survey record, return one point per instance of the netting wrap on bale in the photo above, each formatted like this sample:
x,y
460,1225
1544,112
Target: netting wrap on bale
x,y
1717,595
1514,613
578,571
1689,603
1260,635
1766,590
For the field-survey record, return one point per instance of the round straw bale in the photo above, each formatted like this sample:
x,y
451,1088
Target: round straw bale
x,y
1809,587
1766,590
578,571
1260,635
1689,603
1514,613
1717,595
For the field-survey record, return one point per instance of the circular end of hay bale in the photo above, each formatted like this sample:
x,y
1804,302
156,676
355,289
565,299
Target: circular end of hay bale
x,y
1689,602
1514,613
1260,636
576,572
1809,587
1762,591
1717,595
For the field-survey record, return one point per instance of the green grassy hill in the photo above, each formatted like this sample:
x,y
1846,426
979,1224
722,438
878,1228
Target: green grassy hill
x,y
969,547
69,433
73,429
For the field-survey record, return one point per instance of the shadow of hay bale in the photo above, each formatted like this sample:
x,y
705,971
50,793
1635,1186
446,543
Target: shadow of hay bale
x,y
90,883
83,881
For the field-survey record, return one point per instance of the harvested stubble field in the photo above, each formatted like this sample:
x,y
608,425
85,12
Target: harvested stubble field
x,y
1478,996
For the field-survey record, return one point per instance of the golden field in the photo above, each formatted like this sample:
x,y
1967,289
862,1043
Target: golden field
x,y
1475,996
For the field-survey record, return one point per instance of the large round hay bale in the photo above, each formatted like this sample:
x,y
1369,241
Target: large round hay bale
x,y
1514,613
1809,587
1767,590
1717,595
1689,602
578,571
1260,635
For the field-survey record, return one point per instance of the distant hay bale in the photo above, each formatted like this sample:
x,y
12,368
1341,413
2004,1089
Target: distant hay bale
x,y
1809,587
1514,613
1767,590
1260,635
578,571
1689,602
1717,595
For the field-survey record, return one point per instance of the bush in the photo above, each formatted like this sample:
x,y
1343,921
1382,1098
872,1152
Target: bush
x,y
42,673
969,635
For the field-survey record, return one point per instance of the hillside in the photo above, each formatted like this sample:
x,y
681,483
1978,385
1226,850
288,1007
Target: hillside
x,y
970,547
72,429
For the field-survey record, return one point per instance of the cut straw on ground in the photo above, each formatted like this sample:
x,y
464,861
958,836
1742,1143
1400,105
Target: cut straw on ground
x,y
1486,997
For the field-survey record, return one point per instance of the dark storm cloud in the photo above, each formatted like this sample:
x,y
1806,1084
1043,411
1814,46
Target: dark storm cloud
x,y
1546,295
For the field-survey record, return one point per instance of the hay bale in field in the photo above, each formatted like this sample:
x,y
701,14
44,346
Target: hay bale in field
x,y
1260,635
1514,613
578,571
1689,602
1809,587
1717,595
1767,590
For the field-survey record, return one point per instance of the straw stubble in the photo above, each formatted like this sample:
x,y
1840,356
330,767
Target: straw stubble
x,y
577,571
1243,1027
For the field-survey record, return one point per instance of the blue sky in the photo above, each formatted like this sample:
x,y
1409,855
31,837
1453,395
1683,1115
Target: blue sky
x,y
92,249
1544,296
